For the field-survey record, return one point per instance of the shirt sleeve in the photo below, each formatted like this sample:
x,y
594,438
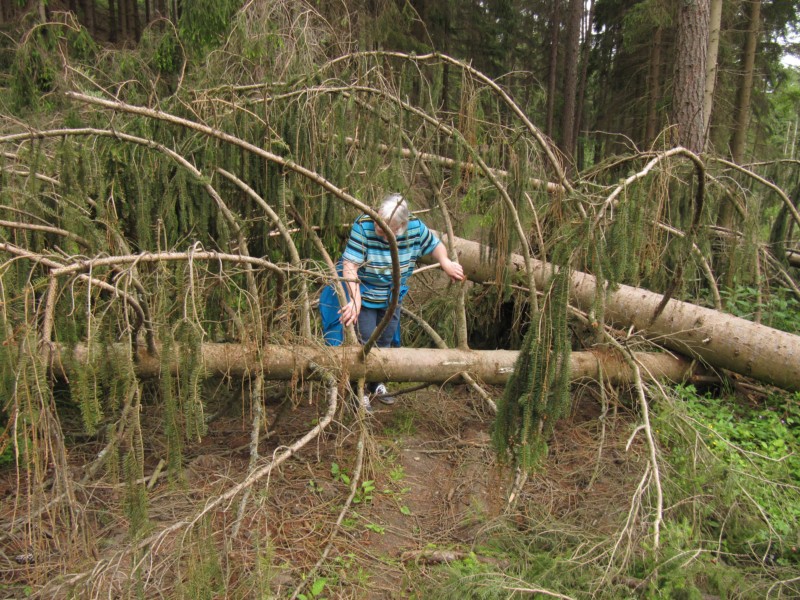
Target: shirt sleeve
x,y
427,240
356,249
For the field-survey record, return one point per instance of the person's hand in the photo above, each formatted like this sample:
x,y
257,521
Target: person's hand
x,y
348,315
454,270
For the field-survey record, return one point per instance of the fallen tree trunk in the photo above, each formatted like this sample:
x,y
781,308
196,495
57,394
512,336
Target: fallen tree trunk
x,y
718,339
397,364
793,256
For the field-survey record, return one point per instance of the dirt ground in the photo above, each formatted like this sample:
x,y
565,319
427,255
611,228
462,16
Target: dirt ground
x,y
429,490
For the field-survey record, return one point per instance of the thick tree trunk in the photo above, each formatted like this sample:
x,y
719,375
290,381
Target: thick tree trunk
x,y
716,338
690,72
401,364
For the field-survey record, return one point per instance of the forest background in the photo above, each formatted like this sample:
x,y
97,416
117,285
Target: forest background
x,y
618,178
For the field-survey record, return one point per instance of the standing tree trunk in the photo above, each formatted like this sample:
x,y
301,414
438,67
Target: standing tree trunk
x,y
88,16
741,112
571,78
581,96
552,77
122,20
690,71
113,25
133,20
653,87
742,108
715,21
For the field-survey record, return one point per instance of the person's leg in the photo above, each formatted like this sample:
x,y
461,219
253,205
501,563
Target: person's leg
x,y
385,341
368,320
387,336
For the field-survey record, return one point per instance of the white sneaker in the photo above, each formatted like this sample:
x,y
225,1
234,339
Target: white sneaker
x,y
383,394
366,404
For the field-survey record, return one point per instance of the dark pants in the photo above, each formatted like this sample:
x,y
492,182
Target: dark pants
x,y
368,320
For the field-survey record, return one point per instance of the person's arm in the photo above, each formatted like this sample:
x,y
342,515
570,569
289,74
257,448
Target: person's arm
x,y
349,312
454,270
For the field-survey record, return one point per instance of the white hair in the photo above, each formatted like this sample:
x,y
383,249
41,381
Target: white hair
x,y
394,209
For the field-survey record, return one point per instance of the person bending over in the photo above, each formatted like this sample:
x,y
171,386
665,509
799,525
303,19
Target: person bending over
x,y
367,268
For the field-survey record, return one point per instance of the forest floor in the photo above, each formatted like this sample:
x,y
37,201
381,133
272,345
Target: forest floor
x,y
430,493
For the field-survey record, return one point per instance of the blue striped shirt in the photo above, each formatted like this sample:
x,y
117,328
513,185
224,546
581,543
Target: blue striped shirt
x,y
374,258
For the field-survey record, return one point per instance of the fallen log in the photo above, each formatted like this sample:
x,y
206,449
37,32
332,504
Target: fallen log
x,y
394,364
793,256
718,339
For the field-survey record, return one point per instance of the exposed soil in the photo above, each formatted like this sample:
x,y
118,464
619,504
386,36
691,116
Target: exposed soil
x,y
437,492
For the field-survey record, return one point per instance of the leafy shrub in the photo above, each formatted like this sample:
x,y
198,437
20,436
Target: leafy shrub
x,y
754,467
780,309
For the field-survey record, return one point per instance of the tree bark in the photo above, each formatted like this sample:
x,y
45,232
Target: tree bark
x,y
113,24
715,21
718,339
653,88
571,78
690,71
133,20
552,77
396,364
586,46
89,16
742,108
122,20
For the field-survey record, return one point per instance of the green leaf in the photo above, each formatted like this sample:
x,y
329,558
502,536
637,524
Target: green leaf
x,y
405,510
318,586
